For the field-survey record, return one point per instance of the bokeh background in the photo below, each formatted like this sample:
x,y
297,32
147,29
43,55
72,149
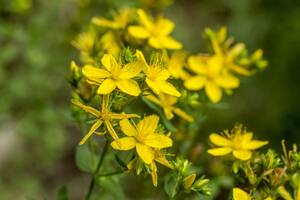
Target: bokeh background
x,y
38,136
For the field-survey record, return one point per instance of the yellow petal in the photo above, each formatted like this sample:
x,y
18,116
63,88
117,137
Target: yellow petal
x,y
88,109
157,141
242,154
106,87
255,144
94,127
163,75
168,112
169,89
148,124
227,81
183,115
127,128
108,61
144,19
239,194
138,32
155,43
123,116
247,136
219,151
239,69
100,21
124,144
197,64
130,70
154,174
162,160
145,153
170,43
129,86
213,92
111,130
95,73
164,26
153,86
219,140
235,51
195,83
141,60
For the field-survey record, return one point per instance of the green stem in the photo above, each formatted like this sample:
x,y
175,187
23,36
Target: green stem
x,y
112,173
92,183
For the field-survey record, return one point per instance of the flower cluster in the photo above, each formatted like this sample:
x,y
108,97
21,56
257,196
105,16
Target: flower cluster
x,y
130,62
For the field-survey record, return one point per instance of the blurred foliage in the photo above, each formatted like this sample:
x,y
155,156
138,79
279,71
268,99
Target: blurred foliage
x,y
35,50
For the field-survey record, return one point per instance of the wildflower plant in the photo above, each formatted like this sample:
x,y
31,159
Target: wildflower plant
x,y
137,83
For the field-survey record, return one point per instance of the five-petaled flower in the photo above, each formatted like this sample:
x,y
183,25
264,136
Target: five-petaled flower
x,y
210,74
143,137
157,32
156,76
103,116
239,142
114,75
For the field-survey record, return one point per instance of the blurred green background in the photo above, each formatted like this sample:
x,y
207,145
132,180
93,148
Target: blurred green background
x,y
38,136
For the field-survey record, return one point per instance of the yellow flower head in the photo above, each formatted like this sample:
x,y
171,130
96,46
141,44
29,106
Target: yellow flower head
x,y
230,54
156,77
120,19
156,32
210,74
114,75
239,143
103,116
167,103
143,138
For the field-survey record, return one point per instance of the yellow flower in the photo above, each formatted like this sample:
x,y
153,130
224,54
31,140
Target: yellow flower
x,y
156,32
110,44
113,76
239,194
119,21
175,64
142,137
239,143
210,74
103,116
229,55
156,77
168,102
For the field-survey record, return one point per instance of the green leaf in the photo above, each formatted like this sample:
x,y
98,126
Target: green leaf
x,y
171,185
111,187
85,159
62,193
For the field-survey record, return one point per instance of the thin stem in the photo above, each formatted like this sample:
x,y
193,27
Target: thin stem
x,y
92,183
112,173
